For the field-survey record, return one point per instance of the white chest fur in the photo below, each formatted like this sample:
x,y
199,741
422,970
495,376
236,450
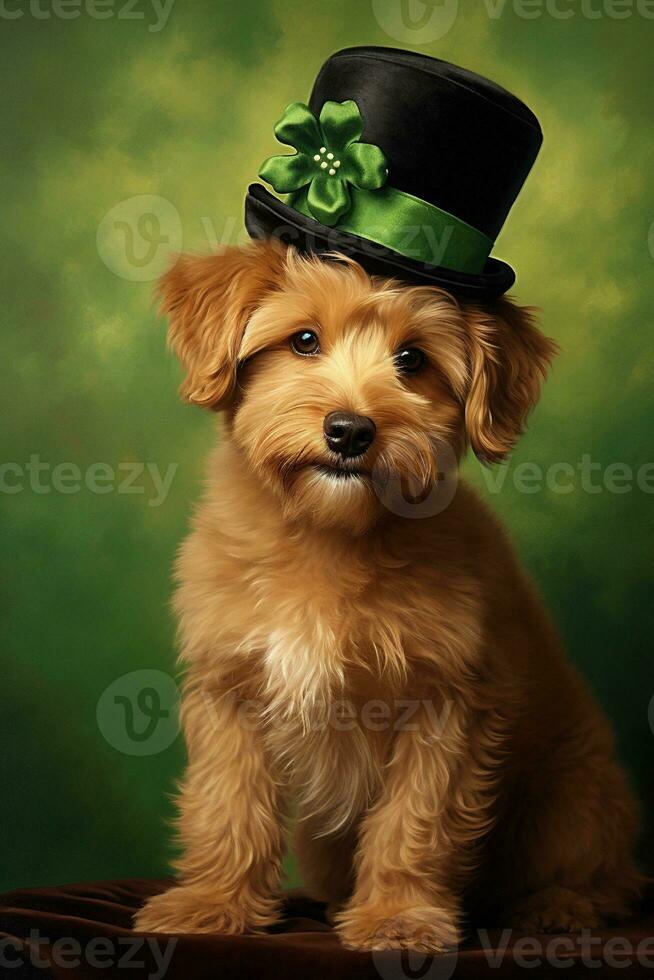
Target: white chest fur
x,y
322,750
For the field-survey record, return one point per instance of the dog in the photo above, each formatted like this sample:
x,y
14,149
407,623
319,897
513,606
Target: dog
x,y
484,776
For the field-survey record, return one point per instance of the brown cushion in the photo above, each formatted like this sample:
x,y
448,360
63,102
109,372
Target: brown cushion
x,y
84,930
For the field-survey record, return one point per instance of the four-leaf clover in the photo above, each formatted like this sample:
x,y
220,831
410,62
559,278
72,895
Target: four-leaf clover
x,y
329,157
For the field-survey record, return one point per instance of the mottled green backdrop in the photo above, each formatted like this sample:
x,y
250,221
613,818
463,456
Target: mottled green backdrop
x,y
129,131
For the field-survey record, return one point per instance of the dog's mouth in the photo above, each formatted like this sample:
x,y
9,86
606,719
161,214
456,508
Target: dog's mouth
x,y
335,470
340,471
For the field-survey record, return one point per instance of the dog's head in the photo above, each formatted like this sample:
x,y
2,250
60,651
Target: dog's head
x,y
332,380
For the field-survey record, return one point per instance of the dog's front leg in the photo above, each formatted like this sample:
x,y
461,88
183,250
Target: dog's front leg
x,y
229,824
416,847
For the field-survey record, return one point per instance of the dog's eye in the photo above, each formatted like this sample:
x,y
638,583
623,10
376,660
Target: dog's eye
x,y
410,360
305,342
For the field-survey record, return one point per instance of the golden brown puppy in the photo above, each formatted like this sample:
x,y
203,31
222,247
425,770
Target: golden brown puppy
x,y
396,681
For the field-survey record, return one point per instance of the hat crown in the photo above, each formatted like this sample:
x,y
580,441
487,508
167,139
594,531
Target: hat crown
x,y
451,137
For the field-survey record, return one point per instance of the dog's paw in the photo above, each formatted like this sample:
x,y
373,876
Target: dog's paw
x,y
185,909
426,929
554,909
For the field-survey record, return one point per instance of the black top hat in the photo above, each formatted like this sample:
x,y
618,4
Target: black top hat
x,y
405,162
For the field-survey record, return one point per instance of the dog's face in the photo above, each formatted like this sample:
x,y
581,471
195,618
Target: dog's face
x,y
335,383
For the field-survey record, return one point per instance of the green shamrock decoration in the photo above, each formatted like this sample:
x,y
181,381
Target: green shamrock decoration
x,y
329,157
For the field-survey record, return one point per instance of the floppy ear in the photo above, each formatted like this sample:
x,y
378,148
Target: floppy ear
x,y
509,359
209,300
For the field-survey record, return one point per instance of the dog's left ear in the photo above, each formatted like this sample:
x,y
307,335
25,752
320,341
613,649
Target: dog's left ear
x,y
509,359
209,300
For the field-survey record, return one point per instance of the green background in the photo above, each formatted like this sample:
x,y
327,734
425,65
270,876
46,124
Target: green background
x,y
98,112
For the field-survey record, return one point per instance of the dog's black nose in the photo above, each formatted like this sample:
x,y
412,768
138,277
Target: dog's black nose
x,y
348,435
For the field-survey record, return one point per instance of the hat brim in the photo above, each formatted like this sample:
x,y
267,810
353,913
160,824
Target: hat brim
x,y
266,216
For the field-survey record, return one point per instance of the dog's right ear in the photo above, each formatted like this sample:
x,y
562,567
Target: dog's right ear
x,y
509,359
209,300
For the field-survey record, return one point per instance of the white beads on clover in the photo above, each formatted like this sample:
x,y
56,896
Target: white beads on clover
x,y
329,164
